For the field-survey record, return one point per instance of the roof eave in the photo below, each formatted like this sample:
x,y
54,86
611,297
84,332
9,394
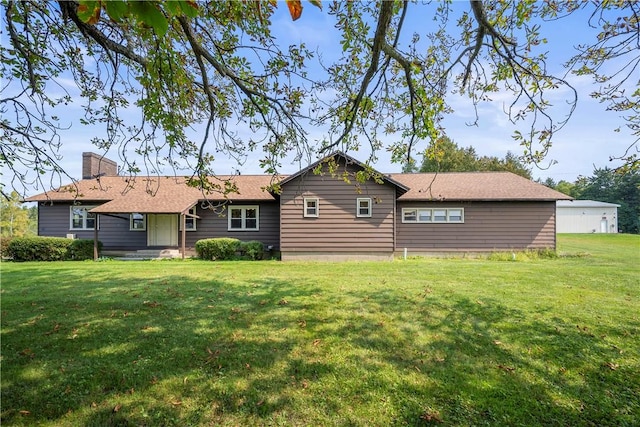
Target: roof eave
x,y
480,199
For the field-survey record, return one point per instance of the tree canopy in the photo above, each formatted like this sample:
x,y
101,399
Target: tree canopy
x,y
147,71
446,156
16,220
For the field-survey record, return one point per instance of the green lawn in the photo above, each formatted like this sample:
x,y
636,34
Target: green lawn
x,y
418,342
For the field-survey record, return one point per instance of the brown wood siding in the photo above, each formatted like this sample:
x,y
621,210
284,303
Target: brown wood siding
x,y
113,232
215,224
337,229
487,226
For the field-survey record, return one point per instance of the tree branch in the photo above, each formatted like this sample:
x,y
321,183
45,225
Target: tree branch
x,y
69,8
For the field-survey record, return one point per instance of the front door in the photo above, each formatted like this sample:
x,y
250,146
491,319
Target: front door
x,y
162,230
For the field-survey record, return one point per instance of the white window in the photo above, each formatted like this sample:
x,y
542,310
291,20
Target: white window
x,y
311,207
363,207
81,219
439,215
409,215
190,220
244,218
137,222
423,215
455,215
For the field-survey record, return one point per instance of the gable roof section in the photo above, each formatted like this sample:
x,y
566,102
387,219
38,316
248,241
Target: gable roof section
x,y
400,188
153,194
474,186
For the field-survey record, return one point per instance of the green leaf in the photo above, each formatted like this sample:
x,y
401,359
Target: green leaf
x,y
149,15
189,8
316,3
116,9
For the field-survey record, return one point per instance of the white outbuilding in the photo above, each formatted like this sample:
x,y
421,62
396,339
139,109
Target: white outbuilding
x,y
586,216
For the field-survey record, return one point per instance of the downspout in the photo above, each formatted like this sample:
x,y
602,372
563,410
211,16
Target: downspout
x,y
95,238
395,201
183,220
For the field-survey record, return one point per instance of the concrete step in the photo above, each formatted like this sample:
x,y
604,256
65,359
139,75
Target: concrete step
x,y
153,254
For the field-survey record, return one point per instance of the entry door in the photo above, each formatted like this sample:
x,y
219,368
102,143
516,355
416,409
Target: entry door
x,y
604,226
162,230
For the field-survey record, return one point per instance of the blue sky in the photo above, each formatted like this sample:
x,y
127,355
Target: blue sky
x,y
587,141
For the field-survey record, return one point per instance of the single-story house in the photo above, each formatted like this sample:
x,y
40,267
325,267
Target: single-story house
x,y
586,216
321,212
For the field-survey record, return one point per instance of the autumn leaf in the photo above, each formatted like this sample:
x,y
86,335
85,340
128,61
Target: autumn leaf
x,y
431,416
612,366
89,12
295,8
27,352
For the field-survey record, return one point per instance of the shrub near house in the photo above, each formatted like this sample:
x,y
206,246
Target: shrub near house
x,y
50,249
222,248
225,248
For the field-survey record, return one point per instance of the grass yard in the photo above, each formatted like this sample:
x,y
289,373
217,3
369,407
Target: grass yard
x,y
553,342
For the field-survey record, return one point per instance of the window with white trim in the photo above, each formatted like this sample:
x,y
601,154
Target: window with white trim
x,y
244,218
424,215
454,215
311,207
363,207
440,215
409,215
81,219
137,222
189,220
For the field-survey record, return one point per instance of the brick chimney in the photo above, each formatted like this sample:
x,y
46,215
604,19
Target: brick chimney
x,y
94,165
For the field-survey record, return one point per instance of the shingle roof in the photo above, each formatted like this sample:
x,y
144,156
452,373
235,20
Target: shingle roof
x,y
171,194
481,186
154,194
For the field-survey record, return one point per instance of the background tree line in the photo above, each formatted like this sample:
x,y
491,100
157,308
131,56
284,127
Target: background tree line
x,y
605,185
16,219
